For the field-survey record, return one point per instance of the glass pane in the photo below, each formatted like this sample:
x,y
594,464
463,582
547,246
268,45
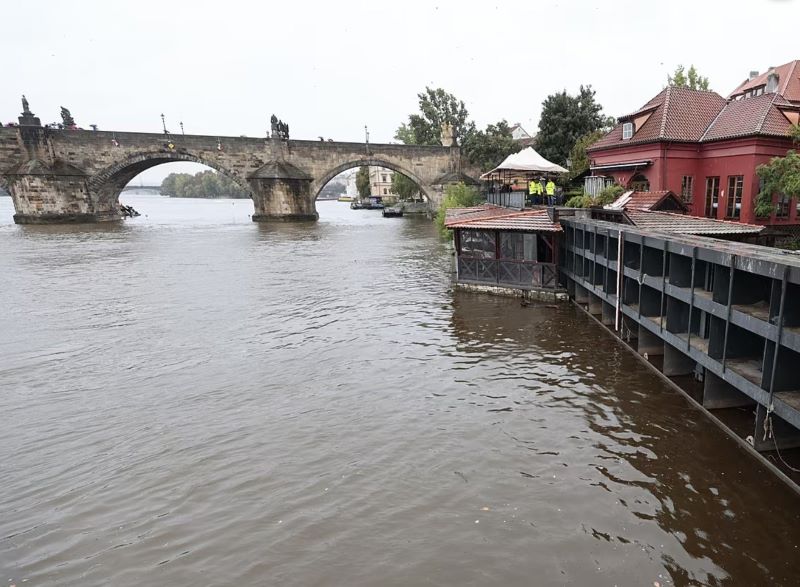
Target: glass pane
x,y
511,245
530,247
477,244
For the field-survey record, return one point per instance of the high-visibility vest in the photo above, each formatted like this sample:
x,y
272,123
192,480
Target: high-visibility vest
x,y
532,187
551,188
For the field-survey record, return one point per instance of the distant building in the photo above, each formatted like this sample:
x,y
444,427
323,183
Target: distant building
x,y
380,181
520,134
706,148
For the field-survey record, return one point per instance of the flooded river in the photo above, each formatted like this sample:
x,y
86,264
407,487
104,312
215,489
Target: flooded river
x,y
190,398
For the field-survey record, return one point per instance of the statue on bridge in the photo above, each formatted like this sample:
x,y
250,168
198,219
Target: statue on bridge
x,y
279,129
66,116
28,118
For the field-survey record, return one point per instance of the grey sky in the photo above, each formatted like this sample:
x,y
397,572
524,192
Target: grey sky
x,y
329,68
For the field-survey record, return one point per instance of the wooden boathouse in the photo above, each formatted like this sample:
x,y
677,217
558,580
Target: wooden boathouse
x,y
506,248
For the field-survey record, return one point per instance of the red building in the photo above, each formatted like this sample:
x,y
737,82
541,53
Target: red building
x,y
705,147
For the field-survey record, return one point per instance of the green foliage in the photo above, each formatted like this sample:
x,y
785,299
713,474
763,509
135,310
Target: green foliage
x,y
567,118
205,184
691,79
780,176
605,197
610,193
436,108
794,133
488,148
578,157
404,187
457,195
362,182
576,202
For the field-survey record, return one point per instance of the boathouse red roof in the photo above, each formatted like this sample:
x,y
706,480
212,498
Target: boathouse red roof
x,y
490,217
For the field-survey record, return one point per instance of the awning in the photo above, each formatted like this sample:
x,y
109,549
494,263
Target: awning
x,y
526,161
626,165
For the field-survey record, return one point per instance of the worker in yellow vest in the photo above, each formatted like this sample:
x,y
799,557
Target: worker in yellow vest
x,y
550,188
532,191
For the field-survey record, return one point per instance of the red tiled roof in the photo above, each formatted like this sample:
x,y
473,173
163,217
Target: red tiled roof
x,y
644,200
758,115
680,114
490,217
788,81
684,224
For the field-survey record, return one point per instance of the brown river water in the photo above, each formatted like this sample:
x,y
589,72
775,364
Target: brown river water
x,y
194,399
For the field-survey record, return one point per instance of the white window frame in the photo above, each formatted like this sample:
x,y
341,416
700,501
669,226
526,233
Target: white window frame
x,y
627,130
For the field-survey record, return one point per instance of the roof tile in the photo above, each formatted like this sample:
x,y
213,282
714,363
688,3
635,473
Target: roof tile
x,y
496,218
684,224
680,114
788,81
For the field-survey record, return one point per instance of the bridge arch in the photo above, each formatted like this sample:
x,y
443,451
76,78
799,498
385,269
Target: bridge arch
x,y
425,189
108,183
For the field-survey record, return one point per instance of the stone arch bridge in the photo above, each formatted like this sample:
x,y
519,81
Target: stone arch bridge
x,y
59,176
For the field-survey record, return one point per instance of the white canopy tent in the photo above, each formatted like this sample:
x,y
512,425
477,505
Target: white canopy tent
x,y
527,161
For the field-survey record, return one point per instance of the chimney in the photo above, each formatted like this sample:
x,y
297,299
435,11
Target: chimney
x,y
753,75
772,82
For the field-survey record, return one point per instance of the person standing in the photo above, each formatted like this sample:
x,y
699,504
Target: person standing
x,y
550,188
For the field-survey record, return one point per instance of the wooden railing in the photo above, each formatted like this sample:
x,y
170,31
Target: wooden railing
x,y
508,272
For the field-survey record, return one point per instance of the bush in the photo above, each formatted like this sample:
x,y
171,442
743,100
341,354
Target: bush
x,y
457,195
605,197
576,202
609,194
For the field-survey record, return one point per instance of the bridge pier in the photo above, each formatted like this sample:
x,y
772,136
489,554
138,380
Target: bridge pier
x,y
54,194
282,192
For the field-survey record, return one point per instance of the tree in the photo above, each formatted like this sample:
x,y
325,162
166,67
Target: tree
x,y
565,119
205,184
690,79
457,195
780,176
488,148
436,107
404,187
362,182
578,157
67,119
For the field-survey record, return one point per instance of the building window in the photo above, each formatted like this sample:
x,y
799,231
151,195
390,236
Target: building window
x,y
712,196
627,130
383,177
735,189
477,244
782,206
385,191
639,183
687,188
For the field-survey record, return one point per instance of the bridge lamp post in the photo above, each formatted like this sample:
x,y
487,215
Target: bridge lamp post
x,y
181,123
163,124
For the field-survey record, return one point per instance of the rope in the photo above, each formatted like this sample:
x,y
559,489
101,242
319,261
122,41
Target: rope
x,y
775,442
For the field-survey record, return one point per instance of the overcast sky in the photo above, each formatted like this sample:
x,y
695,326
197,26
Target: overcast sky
x,y
329,68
